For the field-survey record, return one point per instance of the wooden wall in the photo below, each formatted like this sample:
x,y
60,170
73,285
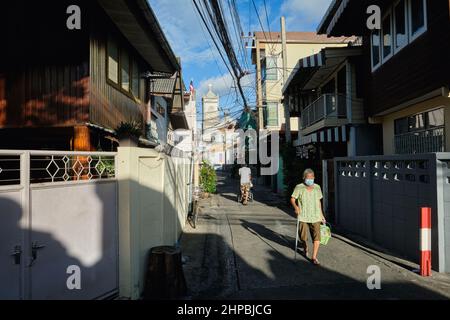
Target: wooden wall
x,y
109,105
38,96
43,67
51,76
419,68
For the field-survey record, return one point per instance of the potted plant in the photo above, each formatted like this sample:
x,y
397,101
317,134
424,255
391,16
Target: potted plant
x,y
129,133
106,169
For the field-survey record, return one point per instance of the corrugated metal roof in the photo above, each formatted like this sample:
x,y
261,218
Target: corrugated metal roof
x,y
162,86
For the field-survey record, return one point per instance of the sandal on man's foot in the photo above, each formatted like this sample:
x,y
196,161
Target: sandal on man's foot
x,y
315,262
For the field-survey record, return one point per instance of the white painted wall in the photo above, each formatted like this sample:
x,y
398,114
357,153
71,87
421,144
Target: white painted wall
x,y
153,195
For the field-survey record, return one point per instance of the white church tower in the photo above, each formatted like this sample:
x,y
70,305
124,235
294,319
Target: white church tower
x,y
211,117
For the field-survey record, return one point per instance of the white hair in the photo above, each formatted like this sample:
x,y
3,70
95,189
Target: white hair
x,y
308,172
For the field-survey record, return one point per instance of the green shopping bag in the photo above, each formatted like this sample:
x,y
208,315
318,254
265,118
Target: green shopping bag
x,y
325,234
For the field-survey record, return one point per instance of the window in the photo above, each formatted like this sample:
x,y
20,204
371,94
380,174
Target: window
x,y
420,133
387,37
418,19
404,22
160,109
401,126
401,26
125,71
135,81
271,68
122,70
436,118
113,61
375,41
419,122
271,114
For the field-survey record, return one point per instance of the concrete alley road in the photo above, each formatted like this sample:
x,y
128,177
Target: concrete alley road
x,y
246,252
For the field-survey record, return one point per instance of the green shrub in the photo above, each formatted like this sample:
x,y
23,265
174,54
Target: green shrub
x,y
208,178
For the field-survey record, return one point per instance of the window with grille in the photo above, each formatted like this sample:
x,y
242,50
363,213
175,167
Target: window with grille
x,y
420,133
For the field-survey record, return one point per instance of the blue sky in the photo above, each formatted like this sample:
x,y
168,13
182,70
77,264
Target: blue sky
x,y
190,40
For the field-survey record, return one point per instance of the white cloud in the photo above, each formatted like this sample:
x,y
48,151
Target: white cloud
x,y
181,25
304,15
221,85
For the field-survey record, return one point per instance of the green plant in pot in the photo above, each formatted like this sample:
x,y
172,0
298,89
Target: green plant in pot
x,y
106,168
129,133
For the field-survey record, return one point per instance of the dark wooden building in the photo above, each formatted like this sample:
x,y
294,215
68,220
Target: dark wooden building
x,y
407,69
67,88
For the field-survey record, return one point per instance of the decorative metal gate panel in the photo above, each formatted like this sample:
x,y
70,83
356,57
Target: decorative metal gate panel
x,y
58,225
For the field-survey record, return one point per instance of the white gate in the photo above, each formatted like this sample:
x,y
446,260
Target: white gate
x,y
58,225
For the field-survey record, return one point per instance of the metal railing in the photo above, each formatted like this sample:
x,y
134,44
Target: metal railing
x,y
420,142
327,106
55,166
10,164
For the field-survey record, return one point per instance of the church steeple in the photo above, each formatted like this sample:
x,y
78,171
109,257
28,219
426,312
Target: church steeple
x,y
210,103
210,94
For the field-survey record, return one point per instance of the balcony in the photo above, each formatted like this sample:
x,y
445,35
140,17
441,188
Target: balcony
x,y
327,111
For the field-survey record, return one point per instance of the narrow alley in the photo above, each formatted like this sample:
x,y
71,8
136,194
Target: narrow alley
x,y
240,252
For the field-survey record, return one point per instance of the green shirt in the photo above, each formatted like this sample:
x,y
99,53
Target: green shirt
x,y
309,203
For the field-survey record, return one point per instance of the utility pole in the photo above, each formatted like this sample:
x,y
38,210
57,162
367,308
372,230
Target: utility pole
x,y
259,99
285,79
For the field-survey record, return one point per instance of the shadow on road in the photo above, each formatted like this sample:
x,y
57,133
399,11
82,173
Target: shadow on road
x,y
234,257
215,271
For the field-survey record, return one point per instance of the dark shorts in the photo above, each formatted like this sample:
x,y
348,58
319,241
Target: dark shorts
x,y
313,228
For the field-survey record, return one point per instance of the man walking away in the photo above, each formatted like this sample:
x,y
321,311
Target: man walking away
x,y
246,179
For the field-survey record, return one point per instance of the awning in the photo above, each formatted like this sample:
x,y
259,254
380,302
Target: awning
x,y
303,69
330,135
311,71
163,86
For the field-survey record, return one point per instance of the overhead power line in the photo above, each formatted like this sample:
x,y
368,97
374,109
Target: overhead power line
x,y
213,18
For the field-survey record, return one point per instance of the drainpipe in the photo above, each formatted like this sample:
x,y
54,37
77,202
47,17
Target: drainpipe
x,y
259,98
349,91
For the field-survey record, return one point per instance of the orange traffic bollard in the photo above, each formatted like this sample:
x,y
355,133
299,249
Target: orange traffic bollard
x,y
425,242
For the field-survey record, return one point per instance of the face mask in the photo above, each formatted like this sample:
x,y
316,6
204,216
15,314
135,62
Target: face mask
x,y
309,182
